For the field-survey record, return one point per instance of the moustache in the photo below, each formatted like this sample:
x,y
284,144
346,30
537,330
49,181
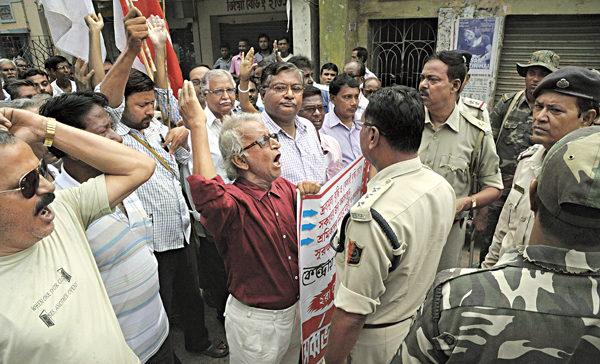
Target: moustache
x,y
424,93
45,200
224,102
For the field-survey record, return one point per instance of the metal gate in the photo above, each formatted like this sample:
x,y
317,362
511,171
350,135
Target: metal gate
x,y
399,49
35,50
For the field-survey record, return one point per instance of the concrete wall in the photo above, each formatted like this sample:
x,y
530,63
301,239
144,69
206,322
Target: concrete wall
x,y
212,12
336,16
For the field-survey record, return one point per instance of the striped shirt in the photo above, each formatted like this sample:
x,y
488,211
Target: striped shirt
x,y
122,248
302,158
161,195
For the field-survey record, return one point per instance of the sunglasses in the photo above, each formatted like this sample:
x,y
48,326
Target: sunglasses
x,y
30,182
263,141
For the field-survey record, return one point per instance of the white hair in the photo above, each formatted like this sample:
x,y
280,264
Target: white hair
x,y
230,141
205,82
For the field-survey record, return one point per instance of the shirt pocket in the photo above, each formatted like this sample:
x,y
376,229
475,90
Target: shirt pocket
x,y
455,170
517,132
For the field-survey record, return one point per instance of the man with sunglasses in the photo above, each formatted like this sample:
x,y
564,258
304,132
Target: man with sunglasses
x,y
53,306
394,234
370,86
301,154
253,222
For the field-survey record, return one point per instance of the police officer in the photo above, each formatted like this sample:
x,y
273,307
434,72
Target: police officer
x,y
570,88
539,304
511,126
456,145
392,239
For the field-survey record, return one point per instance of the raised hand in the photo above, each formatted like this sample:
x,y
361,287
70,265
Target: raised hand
x,y
25,125
189,107
275,51
136,30
94,22
157,31
246,67
81,74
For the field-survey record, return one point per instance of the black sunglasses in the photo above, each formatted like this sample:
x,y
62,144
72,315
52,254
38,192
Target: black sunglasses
x,y
30,182
263,141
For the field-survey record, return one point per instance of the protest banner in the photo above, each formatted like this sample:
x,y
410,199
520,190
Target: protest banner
x,y
318,218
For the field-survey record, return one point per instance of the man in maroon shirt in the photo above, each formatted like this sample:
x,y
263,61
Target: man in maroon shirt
x,y
253,221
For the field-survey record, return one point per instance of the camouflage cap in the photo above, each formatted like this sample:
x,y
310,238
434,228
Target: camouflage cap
x,y
546,59
572,81
569,183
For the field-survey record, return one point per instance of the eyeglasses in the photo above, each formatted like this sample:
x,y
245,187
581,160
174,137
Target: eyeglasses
x,y
30,182
64,68
263,141
368,92
281,89
378,128
196,82
354,76
312,109
218,92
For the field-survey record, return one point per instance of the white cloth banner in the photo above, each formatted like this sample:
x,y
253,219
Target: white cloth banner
x,y
67,26
318,217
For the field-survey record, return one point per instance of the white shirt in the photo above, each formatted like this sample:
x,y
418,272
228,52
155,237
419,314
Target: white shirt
x,y
56,90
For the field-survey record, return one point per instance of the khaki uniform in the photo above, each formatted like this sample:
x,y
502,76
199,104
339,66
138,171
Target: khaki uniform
x,y
419,207
516,218
448,151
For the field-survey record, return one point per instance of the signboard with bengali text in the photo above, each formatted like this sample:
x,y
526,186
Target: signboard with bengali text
x,y
318,218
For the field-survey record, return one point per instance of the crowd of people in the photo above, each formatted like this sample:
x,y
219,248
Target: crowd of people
x,y
123,208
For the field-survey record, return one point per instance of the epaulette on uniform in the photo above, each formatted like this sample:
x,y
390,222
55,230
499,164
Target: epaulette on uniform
x,y
486,127
361,211
529,151
474,103
508,97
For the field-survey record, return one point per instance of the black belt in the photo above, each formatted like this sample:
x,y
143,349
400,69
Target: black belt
x,y
381,326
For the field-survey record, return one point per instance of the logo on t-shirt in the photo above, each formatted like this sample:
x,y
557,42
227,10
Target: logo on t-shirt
x,y
54,298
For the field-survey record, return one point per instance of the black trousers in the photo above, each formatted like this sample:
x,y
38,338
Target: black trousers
x,y
212,269
178,277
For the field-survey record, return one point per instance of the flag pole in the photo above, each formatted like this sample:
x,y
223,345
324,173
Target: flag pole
x,y
149,70
167,70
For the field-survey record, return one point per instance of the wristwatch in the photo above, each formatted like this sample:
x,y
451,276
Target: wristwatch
x,y
50,131
473,202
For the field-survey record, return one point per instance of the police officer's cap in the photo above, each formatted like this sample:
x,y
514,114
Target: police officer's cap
x,y
572,81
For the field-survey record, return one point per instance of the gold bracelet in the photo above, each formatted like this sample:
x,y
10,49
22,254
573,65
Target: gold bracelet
x,y
50,131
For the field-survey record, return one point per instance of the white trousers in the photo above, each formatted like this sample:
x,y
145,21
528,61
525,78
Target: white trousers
x,y
257,336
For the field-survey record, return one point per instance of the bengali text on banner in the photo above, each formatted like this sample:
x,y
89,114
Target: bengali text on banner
x,y
318,218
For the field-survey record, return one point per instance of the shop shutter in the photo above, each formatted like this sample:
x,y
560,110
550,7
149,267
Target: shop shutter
x,y
573,37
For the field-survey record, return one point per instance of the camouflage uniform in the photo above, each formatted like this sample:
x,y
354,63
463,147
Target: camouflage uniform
x,y
516,136
538,305
516,219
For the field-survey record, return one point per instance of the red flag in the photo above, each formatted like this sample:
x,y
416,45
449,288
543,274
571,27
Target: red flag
x,y
149,7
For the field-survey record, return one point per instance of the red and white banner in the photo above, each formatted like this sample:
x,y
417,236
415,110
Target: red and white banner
x,y
318,218
147,7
